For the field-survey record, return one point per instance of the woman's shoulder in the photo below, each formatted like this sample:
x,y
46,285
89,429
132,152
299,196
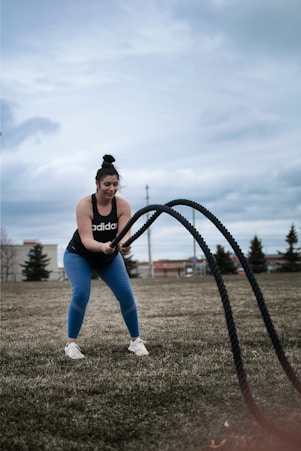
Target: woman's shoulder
x,y
84,202
122,204
120,201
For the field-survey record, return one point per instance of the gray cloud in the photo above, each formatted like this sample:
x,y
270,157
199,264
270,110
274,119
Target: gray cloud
x,y
269,27
15,134
197,99
241,124
291,176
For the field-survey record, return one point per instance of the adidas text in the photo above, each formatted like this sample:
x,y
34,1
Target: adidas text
x,y
104,226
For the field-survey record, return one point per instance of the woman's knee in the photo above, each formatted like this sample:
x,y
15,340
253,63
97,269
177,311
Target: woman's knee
x,y
80,297
127,300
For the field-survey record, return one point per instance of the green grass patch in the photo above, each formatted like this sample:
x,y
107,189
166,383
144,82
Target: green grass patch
x,y
183,396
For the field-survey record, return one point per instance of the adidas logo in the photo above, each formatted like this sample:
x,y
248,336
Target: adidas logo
x,y
104,226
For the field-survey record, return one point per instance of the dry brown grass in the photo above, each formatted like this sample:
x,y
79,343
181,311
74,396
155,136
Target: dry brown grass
x,y
184,396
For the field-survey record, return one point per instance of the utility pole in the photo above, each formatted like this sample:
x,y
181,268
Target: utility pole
x,y
150,261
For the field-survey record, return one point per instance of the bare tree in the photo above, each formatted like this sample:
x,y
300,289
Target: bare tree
x,y
8,256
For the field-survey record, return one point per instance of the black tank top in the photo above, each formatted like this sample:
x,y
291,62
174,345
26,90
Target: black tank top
x,y
104,228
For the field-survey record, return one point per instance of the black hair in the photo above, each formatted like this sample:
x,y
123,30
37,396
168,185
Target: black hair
x,y
107,168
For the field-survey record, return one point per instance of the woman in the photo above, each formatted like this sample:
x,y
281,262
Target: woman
x,y
100,217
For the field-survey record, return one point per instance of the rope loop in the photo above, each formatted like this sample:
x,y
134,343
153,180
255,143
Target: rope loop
x,y
235,347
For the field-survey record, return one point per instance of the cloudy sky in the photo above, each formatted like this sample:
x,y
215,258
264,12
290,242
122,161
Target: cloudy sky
x,y
196,99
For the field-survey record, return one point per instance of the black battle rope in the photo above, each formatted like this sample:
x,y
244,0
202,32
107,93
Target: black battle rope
x,y
250,275
242,378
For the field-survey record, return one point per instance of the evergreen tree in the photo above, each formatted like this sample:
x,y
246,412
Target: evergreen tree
x,y
131,265
35,268
224,260
292,256
256,256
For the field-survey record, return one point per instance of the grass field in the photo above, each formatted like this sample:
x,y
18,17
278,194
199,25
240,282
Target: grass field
x,y
183,396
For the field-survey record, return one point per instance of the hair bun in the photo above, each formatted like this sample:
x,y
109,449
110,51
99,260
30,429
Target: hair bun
x,y
107,168
109,159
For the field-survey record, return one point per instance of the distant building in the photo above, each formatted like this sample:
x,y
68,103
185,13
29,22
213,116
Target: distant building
x,y
273,261
161,268
22,254
199,267
173,268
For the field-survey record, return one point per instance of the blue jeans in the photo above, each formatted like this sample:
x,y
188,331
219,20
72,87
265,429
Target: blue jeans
x,y
114,275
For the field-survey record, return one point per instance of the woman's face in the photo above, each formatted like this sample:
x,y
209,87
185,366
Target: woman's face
x,y
108,186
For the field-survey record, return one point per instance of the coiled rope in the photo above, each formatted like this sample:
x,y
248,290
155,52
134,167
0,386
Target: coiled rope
x,y
241,374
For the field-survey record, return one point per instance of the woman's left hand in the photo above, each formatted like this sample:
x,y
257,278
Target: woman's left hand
x,y
123,249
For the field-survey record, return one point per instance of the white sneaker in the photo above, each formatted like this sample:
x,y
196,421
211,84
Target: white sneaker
x,y
137,347
72,350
